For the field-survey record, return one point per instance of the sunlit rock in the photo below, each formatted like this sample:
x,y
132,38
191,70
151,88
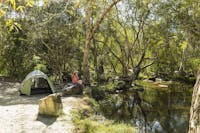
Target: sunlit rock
x,y
50,105
163,86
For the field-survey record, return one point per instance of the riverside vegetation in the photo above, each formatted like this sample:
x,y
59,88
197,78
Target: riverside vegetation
x,y
130,54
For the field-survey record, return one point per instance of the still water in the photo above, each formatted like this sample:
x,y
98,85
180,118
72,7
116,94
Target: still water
x,y
160,108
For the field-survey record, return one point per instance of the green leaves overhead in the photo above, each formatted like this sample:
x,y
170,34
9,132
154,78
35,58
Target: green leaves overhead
x,y
183,45
29,3
157,37
13,4
20,8
2,12
12,25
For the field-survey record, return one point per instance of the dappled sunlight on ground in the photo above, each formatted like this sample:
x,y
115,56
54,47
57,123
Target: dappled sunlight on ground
x,y
20,113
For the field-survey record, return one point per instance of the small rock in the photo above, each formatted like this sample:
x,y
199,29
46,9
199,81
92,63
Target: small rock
x,y
163,86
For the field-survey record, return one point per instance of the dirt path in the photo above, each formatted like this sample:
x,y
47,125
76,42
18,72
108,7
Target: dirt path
x,y
19,114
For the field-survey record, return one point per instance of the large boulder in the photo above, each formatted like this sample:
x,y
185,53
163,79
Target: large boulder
x,y
51,105
194,124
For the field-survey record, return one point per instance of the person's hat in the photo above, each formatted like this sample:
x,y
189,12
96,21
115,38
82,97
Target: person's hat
x,y
75,71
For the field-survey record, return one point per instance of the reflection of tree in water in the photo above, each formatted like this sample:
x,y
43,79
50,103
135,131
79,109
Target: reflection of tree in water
x,y
165,110
170,107
126,107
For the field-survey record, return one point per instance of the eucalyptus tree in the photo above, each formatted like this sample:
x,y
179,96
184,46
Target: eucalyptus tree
x,y
128,39
90,32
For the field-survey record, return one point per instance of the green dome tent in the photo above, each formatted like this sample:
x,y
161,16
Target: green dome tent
x,y
36,82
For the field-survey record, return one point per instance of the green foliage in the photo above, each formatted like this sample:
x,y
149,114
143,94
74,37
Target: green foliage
x,y
90,123
98,124
13,4
41,67
92,103
2,12
91,126
100,92
16,61
183,45
165,32
30,3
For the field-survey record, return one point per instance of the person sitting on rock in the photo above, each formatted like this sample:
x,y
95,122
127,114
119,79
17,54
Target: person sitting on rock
x,y
75,78
77,83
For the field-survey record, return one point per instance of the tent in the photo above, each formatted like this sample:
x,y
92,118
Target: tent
x,y
36,82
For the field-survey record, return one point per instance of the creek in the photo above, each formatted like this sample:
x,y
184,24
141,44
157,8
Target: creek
x,y
162,107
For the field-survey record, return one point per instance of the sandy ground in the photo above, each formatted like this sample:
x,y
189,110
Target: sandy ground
x,y
19,114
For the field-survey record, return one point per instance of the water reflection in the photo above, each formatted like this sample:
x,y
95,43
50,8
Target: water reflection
x,y
154,110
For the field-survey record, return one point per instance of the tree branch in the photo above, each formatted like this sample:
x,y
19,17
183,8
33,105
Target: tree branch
x,y
96,26
114,55
148,65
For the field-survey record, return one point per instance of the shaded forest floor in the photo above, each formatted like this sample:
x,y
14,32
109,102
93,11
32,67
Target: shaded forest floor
x,y
19,114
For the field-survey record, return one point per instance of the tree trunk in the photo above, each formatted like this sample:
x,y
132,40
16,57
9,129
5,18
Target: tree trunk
x,y
89,33
95,54
86,74
136,72
194,124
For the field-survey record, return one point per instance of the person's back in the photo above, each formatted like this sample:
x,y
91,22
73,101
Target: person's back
x,y
75,78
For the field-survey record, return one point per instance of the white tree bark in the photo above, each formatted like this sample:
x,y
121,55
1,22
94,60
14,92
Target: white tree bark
x,y
194,124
